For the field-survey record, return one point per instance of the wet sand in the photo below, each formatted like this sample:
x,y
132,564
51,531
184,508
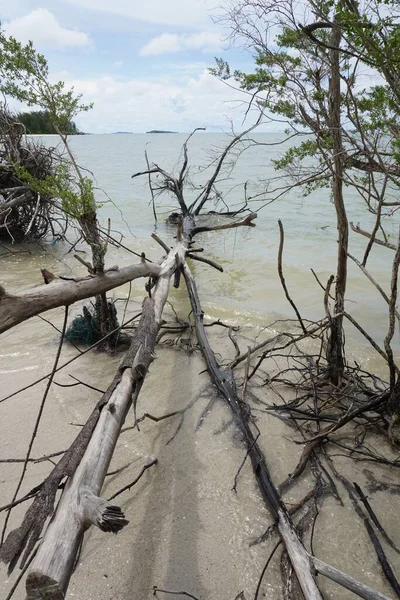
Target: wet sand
x,y
188,530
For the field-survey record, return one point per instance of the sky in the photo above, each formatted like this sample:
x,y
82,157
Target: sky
x,y
143,63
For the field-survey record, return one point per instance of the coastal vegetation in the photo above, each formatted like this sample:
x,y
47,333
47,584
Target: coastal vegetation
x,y
308,76
40,122
27,212
25,77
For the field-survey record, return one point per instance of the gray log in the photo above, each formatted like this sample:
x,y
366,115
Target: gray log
x,y
224,382
80,505
15,308
346,581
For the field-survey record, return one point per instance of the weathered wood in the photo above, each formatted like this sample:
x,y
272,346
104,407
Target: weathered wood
x,y
303,563
15,308
80,505
348,582
225,384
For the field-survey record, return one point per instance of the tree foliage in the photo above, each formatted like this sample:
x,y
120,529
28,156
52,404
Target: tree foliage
x,y
329,70
24,75
292,53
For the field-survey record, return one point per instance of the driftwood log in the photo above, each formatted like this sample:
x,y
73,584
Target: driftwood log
x,y
80,505
304,565
225,384
16,308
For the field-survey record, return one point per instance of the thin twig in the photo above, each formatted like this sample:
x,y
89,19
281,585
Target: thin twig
x,y
183,593
265,568
282,278
372,280
128,487
22,573
38,418
242,464
71,360
150,186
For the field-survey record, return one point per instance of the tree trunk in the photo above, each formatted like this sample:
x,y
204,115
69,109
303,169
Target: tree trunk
x,y
89,226
335,348
225,384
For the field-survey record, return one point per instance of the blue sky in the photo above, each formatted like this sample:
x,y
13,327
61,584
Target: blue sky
x,y
142,62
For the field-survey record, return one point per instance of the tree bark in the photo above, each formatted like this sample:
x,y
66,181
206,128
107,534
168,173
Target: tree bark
x,y
90,230
346,581
334,355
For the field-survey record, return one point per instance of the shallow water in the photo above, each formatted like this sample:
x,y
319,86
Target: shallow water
x,y
188,530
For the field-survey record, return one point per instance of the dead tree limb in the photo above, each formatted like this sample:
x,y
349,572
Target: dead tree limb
x,y
207,261
16,308
357,229
86,463
37,422
247,222
225,384
369,338
282,278
303,563
346,581
372,280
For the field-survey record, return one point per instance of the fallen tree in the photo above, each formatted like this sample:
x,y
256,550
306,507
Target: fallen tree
x,y
80,505
85,463
304,565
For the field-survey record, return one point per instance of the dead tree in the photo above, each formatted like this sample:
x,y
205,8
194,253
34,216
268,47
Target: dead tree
x,y
80,505
85,463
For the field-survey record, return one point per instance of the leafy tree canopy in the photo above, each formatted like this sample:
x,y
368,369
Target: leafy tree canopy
x,y
292,47
24,75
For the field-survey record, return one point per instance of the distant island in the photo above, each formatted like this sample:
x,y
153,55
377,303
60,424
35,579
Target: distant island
x,y
123,132
160,131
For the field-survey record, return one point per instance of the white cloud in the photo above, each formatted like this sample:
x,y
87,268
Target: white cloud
x,y
206,41
118,64
43,29
140,104
167,12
